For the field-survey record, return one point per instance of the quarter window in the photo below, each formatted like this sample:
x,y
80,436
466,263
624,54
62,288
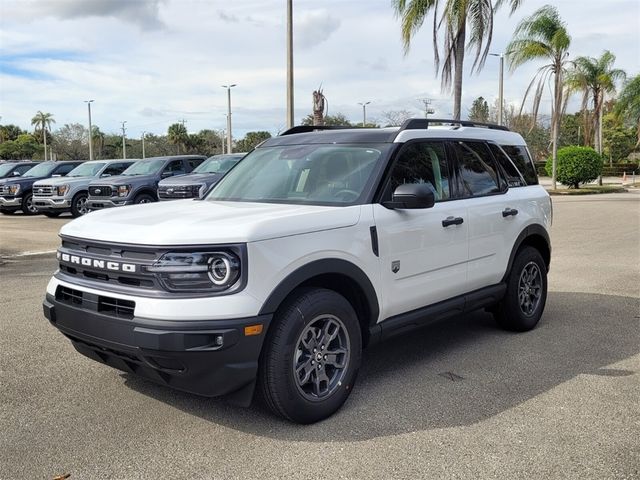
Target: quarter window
x,y
423,163
510,170
478,172
520,156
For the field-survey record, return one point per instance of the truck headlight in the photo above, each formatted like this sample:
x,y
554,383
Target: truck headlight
x,y
62,189
123,190
197,272
14,189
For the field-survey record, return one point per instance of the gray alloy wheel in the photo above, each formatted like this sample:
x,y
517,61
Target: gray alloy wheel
x,y
321,357
81,205
28,208
530,288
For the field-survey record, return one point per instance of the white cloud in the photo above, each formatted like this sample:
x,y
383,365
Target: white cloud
x,y
314,27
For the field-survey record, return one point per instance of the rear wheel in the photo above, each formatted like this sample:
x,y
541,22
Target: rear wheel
x,y
28,208
523,304
311,357
79,205
143,198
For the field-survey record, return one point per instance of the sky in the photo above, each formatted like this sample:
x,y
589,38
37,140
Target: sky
x,y
152,63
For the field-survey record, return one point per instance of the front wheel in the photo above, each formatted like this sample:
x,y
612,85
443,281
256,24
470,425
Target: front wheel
x,y
523,304
79,205
143,198
311,356
28,208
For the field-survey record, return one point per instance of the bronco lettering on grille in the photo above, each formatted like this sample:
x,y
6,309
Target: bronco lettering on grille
x,y
95,263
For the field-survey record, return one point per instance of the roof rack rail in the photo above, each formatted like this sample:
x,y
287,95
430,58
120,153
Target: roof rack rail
x,y
313,128
423,123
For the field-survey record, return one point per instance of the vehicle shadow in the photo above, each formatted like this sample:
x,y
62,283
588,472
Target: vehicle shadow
x,y
450,374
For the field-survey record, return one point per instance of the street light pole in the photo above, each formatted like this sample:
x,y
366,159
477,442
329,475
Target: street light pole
x,y
289,63
88,102
500,88
229,87
124,143
143,153
364,112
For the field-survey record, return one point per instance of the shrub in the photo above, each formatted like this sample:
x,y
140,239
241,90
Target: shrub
x,y
576,165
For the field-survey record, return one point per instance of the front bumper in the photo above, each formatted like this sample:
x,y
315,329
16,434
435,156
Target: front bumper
x,y
97,204
205,357
10,202
48,203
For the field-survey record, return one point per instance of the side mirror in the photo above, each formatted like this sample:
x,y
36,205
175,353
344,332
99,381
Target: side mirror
x,y
166,174
105,175
55,175
16,173
411,196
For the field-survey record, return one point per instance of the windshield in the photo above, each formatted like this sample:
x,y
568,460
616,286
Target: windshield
x,y
86,170
6,168
42,170
144,167
302,174
217,164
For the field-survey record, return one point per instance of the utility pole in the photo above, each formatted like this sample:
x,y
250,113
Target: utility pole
x,y
427,107
124,141
500,88
143,153
289,63
229,87
88,102
364,112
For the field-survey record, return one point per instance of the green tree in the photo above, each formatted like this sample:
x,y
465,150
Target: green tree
x,y
251,140
618,139
571,130
24,147
70,142
460,18
178,135
42,123
594,77
543,36
97,137
331,120
479,111
576,165
10,132
628,105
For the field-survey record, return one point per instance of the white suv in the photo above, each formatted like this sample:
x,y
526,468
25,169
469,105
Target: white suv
x,y
318,243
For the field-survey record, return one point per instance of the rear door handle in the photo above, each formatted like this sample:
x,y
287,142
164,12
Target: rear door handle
x,y
452,221
509,212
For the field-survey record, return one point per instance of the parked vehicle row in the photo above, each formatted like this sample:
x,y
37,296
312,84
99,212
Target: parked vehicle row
x,y
52,188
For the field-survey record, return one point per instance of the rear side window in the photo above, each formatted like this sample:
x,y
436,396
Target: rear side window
x,y
175,167
478,171
509,169
193,163
520,157
64,169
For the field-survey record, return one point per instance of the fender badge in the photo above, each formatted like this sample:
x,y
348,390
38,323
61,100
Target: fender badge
x,y
395,266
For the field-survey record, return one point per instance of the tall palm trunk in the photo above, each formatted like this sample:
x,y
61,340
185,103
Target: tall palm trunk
x,y
44,137
555,121
459,69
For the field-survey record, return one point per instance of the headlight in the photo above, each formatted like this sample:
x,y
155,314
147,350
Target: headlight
x,y
62,189
197,272
123,190
14,189
198,190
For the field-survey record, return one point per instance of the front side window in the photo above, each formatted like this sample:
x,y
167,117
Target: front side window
x,y
193,163
175,167
6,168
86,170
478,172
64,169
302,174
115,169
144,167
423,163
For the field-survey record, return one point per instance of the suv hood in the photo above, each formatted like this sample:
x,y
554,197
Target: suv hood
x,y
193,222
190,179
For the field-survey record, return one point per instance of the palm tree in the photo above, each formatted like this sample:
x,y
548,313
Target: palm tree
x,y
457,17
595,77
543,36
628,105
42,121
97,137
178,135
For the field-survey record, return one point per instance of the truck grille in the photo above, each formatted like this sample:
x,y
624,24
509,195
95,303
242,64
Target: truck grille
x,y
4,190
111,306
100,191
179,191
43,191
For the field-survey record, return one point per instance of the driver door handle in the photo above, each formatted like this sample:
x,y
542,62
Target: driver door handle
x,y
509,212
452,221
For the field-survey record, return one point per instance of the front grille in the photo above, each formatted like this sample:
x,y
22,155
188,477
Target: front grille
x,y
178,191
4,190
110,306
100,191
43,191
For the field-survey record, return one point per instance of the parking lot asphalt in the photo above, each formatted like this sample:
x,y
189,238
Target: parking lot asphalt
x,y
459,399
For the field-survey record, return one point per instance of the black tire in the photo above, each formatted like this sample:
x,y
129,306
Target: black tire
x,y
51,214
79,205
28,208
6,212
143,198
286,352
523,304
